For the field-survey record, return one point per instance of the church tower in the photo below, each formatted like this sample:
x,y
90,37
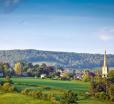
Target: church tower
x,y
105,67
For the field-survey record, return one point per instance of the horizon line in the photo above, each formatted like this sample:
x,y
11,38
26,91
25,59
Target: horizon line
x,y
54,51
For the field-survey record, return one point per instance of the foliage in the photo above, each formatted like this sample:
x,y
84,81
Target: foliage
x,y
111,92
7,80
7,87
18,68
69,98
26,91
111,75
86,78
66,76
6,69
101,95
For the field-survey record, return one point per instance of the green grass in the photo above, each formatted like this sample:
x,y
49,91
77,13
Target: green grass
x,y
77,86
94,101
57,87
10,98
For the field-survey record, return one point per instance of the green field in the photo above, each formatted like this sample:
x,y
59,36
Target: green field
x,y
56,87
10,98
77,86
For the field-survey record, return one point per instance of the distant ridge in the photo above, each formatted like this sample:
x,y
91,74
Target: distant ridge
x,y
64,59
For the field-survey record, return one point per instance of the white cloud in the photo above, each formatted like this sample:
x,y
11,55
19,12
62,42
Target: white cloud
x,y
105,37
106,34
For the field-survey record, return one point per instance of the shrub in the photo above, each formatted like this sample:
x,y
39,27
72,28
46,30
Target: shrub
x,y
45,96
69,98
12,88
7,80
26,91
47,88
30,92
101,95
8,87
97,95
37,94
111,92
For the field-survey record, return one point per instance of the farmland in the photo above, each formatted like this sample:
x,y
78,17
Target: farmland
x,y
56,87
37,83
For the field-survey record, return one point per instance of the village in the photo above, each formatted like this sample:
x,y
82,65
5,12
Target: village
x,y
44,71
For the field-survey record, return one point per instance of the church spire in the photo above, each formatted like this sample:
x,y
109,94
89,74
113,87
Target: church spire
x,y
105,67
105,59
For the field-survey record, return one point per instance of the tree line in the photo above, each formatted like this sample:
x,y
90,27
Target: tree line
x,y
29,70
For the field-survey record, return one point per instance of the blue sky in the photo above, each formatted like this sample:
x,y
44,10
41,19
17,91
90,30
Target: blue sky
x,y
85,26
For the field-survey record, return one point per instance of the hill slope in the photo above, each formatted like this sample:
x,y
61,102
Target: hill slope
x,y
66,59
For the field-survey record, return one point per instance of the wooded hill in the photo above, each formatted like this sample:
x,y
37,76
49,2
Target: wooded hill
x,y
64,59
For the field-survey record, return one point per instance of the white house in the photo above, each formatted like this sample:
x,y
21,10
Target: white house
x,y
42,76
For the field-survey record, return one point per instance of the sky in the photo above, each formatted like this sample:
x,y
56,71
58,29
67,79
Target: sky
x,y
82,26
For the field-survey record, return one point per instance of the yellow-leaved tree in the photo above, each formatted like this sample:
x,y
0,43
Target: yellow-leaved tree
x,y
18,68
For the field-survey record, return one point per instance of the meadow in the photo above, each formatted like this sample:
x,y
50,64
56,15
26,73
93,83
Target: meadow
x,y
77,86
56,87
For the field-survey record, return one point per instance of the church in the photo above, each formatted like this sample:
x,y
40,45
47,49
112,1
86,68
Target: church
x,y
105,68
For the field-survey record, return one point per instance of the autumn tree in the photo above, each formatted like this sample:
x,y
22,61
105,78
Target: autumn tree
x,y
18,68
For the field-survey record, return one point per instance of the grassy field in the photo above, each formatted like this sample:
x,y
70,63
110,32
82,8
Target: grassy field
x,y
10,98
77,86
56,87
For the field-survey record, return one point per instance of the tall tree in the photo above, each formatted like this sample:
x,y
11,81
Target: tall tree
x,y
18,68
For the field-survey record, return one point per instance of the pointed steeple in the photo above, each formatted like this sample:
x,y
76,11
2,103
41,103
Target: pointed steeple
x,y
105,67
105,59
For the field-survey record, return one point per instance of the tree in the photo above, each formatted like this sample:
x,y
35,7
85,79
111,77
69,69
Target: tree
x,y
5,68
86,78
69,98
111,75
111,92
66,76
92,87
18,68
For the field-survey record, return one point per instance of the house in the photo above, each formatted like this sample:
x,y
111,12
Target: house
x,y
78,76
42,76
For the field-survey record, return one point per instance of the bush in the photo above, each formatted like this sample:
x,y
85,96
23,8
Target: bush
x,y
30,92
47,88
37,94
26,91
97,94
45,96
12,88
7,80
111,92
101,95
69,98
8,87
